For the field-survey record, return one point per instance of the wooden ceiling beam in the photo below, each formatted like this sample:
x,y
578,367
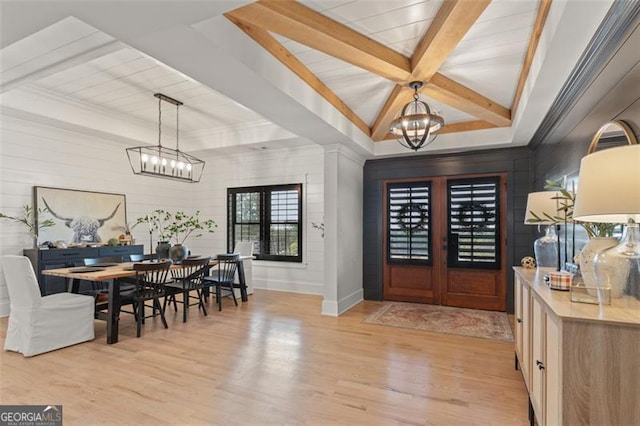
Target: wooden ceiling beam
x,y
452,93
304,25
541,18
453,21
269,43
449,26
400,95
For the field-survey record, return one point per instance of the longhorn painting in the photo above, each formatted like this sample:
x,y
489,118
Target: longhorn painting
x,y
82,217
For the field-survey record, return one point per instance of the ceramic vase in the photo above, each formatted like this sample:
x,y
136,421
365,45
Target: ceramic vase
x,y
178,253
162,249
594,246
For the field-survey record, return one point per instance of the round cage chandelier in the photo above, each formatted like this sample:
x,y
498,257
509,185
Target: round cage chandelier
x,y
417,126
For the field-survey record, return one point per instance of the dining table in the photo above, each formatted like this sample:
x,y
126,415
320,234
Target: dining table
x,y
113,274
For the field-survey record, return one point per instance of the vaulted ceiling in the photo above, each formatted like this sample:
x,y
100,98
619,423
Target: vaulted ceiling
x,y
283,73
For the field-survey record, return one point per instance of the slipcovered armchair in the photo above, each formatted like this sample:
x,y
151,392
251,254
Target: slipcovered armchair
x,y
41,324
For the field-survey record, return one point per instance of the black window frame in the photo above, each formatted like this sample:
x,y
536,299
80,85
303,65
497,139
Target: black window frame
x,y
265,201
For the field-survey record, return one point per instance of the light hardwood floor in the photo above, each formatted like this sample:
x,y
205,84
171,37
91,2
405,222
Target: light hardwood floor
x,y
272,360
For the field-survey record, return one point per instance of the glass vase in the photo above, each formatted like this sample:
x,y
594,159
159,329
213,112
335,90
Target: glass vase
x,y
545,249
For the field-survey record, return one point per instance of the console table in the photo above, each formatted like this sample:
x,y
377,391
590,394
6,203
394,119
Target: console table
x,y
42,259
580,362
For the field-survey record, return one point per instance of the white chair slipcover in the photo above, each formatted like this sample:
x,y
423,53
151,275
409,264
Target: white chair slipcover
x,y
245,248
41,324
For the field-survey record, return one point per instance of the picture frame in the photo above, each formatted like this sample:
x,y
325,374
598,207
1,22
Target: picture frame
x,y
81,217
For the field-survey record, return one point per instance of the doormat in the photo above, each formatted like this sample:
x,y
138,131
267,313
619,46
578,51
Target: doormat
x,y
444,319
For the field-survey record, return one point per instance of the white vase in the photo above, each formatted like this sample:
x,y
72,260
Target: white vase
x,y
594,246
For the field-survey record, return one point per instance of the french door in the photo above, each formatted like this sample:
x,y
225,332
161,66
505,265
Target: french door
x,y
445,241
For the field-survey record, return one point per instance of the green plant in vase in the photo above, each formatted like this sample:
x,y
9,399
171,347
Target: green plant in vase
x,y
28,218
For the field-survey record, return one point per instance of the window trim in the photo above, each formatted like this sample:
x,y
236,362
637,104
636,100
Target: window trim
x,y
265,218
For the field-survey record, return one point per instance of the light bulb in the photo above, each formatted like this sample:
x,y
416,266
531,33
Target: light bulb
x,y
144,157
154,160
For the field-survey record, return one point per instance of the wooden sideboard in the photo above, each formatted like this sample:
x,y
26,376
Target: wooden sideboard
x,y
64,258
580,362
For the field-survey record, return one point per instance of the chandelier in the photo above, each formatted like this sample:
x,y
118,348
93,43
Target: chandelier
x,y
417,126
159,161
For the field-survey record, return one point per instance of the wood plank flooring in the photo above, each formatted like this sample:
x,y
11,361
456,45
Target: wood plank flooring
x,y
275,360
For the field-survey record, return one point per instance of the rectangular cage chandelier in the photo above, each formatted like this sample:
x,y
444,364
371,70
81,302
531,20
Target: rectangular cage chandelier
x,y
163,162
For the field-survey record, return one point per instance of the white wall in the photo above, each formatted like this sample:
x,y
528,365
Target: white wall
x,y
270,167
33,154
343,210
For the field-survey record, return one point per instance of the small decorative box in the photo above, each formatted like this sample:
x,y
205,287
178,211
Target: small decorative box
x,y
559,280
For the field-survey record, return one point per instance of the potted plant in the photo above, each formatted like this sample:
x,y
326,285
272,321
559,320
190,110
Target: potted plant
x,y
181,227
178,226
28,218
158,220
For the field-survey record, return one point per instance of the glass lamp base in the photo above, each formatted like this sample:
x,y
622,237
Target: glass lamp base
x,y
546,249
618,268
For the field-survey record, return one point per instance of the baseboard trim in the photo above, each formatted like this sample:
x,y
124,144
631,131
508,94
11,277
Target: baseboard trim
x,y
334,309
292,287
4,308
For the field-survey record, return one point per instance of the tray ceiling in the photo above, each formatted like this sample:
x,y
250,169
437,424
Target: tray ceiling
x,y
354,59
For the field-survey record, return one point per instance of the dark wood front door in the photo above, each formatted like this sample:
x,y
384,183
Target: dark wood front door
x,y
444,241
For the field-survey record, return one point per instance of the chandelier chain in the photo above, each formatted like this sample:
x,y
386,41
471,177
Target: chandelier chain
x,y
177,128
159,122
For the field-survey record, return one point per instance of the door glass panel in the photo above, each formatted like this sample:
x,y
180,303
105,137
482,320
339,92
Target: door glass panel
x,y
409,222
473,226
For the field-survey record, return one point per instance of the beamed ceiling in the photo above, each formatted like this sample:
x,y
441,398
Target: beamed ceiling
x,y
282,73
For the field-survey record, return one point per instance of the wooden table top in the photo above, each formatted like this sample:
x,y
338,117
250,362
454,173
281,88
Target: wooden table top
x,y
102,273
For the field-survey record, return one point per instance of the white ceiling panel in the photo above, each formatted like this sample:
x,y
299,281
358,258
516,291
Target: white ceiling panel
x,y
495,78
45,42
359,9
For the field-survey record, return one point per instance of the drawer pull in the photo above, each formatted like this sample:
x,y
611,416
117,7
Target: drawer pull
x,y
519,320
540,365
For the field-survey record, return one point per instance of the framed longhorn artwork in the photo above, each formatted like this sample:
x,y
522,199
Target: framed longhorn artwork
x,y
81,217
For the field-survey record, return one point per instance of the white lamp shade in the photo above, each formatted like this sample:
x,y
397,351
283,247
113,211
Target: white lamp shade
x,y
609,186
541,204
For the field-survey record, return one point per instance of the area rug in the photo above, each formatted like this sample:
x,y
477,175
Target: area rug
x,y
444,319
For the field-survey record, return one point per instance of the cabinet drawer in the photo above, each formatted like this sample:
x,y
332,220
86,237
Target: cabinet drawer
x,y
58,254
120,250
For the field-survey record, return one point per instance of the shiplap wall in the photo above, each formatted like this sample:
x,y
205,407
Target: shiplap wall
x,y
271,167
33,154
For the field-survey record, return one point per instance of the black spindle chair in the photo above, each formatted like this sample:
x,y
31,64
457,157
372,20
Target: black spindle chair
x,y
223,276
188,279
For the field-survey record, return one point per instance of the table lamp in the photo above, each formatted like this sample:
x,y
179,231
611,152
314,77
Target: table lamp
x,y
542,207
609,191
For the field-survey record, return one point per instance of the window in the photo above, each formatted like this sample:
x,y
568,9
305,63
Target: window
x,y
269,216
474,238
409,222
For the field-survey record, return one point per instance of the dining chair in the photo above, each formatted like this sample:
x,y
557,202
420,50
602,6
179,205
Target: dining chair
x,y
100,289
39,324
223,276
150,281
187,279
141,257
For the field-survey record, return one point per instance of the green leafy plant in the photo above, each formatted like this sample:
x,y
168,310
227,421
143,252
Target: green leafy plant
x,y
28,218
178,225
182,226
158,220
566,202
